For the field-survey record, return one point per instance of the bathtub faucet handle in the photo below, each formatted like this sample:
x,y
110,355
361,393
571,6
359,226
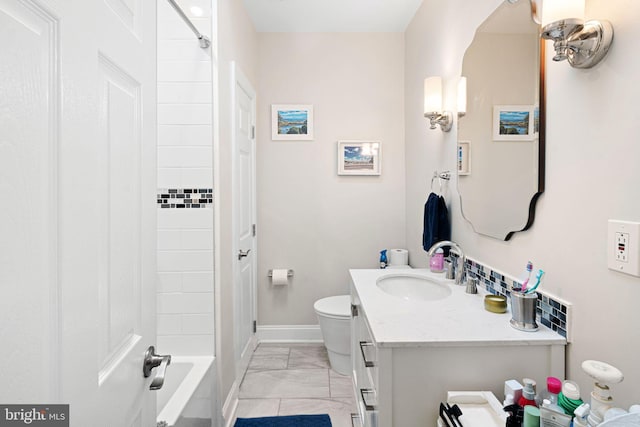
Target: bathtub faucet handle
x,y
153,360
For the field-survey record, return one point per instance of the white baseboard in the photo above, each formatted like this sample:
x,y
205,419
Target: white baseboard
x,y
230,406
289,333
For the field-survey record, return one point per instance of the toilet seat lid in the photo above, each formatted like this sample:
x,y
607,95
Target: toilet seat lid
x,y
339,305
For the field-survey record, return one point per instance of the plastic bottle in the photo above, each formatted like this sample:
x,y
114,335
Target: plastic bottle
x,y
554,386
528,393
383,259
436,263
512,392
581,414
531,416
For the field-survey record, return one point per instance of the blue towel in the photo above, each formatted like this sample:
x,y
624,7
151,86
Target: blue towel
x,y
436,222
286,421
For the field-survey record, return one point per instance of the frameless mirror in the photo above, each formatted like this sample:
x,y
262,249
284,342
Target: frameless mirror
x,y
501,137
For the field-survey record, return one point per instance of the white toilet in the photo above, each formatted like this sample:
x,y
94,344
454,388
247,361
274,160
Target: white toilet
x,y
334,315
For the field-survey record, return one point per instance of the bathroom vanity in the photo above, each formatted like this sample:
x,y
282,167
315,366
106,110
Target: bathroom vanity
x,y
416,335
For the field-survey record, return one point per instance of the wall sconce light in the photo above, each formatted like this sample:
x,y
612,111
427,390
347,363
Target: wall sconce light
x,y
462,97
582,44
433,105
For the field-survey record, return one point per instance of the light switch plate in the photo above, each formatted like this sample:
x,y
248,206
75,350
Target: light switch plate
x,y
623,247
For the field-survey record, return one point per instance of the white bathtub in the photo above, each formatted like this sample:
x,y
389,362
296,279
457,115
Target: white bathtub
x,y
184,375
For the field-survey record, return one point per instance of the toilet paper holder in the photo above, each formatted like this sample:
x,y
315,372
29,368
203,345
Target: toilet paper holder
x,y
289,273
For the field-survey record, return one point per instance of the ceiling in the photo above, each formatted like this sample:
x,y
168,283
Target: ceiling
x,y
307,16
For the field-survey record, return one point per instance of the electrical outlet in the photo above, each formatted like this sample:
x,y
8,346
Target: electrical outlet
x,y
623,247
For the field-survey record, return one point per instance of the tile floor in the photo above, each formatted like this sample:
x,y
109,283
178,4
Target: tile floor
x,y
295,380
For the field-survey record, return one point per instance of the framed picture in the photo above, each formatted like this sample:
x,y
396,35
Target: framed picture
x,y
513,122
359,157
292,122
464,158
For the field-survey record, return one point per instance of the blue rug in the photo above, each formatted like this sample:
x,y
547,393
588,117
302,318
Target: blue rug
x,y
288,421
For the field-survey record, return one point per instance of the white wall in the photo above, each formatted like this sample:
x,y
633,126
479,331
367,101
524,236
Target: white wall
x,y
310,219
185,141
591,176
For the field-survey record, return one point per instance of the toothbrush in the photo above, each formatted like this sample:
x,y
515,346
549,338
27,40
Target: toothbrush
x,y
539,275
527,276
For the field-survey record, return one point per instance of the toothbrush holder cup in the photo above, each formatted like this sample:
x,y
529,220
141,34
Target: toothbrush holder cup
x,y
523,311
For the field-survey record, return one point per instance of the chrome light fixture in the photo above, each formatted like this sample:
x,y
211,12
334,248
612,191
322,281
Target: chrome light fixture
x,y
582,44
433,105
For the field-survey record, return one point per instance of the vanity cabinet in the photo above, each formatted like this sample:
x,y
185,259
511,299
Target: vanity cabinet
x,y
402,382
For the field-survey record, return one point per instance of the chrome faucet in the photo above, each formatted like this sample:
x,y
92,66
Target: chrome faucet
x,y
460,270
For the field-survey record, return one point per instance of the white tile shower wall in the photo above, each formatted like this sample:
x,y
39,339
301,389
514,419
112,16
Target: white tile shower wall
x,y
185,158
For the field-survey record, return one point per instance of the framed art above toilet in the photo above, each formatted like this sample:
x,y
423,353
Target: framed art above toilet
x,y
359,158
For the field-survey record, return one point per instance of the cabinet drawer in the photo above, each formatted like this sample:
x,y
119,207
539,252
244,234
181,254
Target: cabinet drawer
x,y
364,352
368,407
364,359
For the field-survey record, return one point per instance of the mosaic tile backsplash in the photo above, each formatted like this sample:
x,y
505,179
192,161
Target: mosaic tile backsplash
x,y
551,311
185,198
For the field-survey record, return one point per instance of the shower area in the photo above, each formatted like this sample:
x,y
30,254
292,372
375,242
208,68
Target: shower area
x,y
185,292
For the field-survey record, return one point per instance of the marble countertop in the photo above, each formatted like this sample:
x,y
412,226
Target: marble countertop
x,y
457,320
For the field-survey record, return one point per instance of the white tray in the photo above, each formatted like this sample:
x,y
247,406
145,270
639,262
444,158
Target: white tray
x,y
479,409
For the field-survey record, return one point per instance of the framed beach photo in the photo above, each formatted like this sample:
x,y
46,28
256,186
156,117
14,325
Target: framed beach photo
x,y
513,122
359,157
292,122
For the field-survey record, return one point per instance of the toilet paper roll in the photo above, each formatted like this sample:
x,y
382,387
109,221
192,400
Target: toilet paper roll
x,y
398,256
279,277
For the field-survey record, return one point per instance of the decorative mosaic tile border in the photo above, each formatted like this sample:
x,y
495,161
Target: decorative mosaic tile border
x,y
185,198
551,311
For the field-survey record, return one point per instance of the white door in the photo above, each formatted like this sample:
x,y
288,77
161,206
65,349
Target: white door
x,y
244,217
77,227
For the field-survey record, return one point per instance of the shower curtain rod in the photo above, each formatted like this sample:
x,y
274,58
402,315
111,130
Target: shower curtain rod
x,y
204,40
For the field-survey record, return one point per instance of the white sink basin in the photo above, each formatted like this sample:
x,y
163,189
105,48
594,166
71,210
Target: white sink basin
x,y
412,287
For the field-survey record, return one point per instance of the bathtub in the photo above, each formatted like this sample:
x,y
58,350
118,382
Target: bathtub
x,y
183,383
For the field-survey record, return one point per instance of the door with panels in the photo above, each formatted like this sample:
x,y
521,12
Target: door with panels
x,y
244,218
77,159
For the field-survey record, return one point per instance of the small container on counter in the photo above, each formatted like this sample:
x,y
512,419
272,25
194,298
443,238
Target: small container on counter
x,y
495,303
436,263
523,311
